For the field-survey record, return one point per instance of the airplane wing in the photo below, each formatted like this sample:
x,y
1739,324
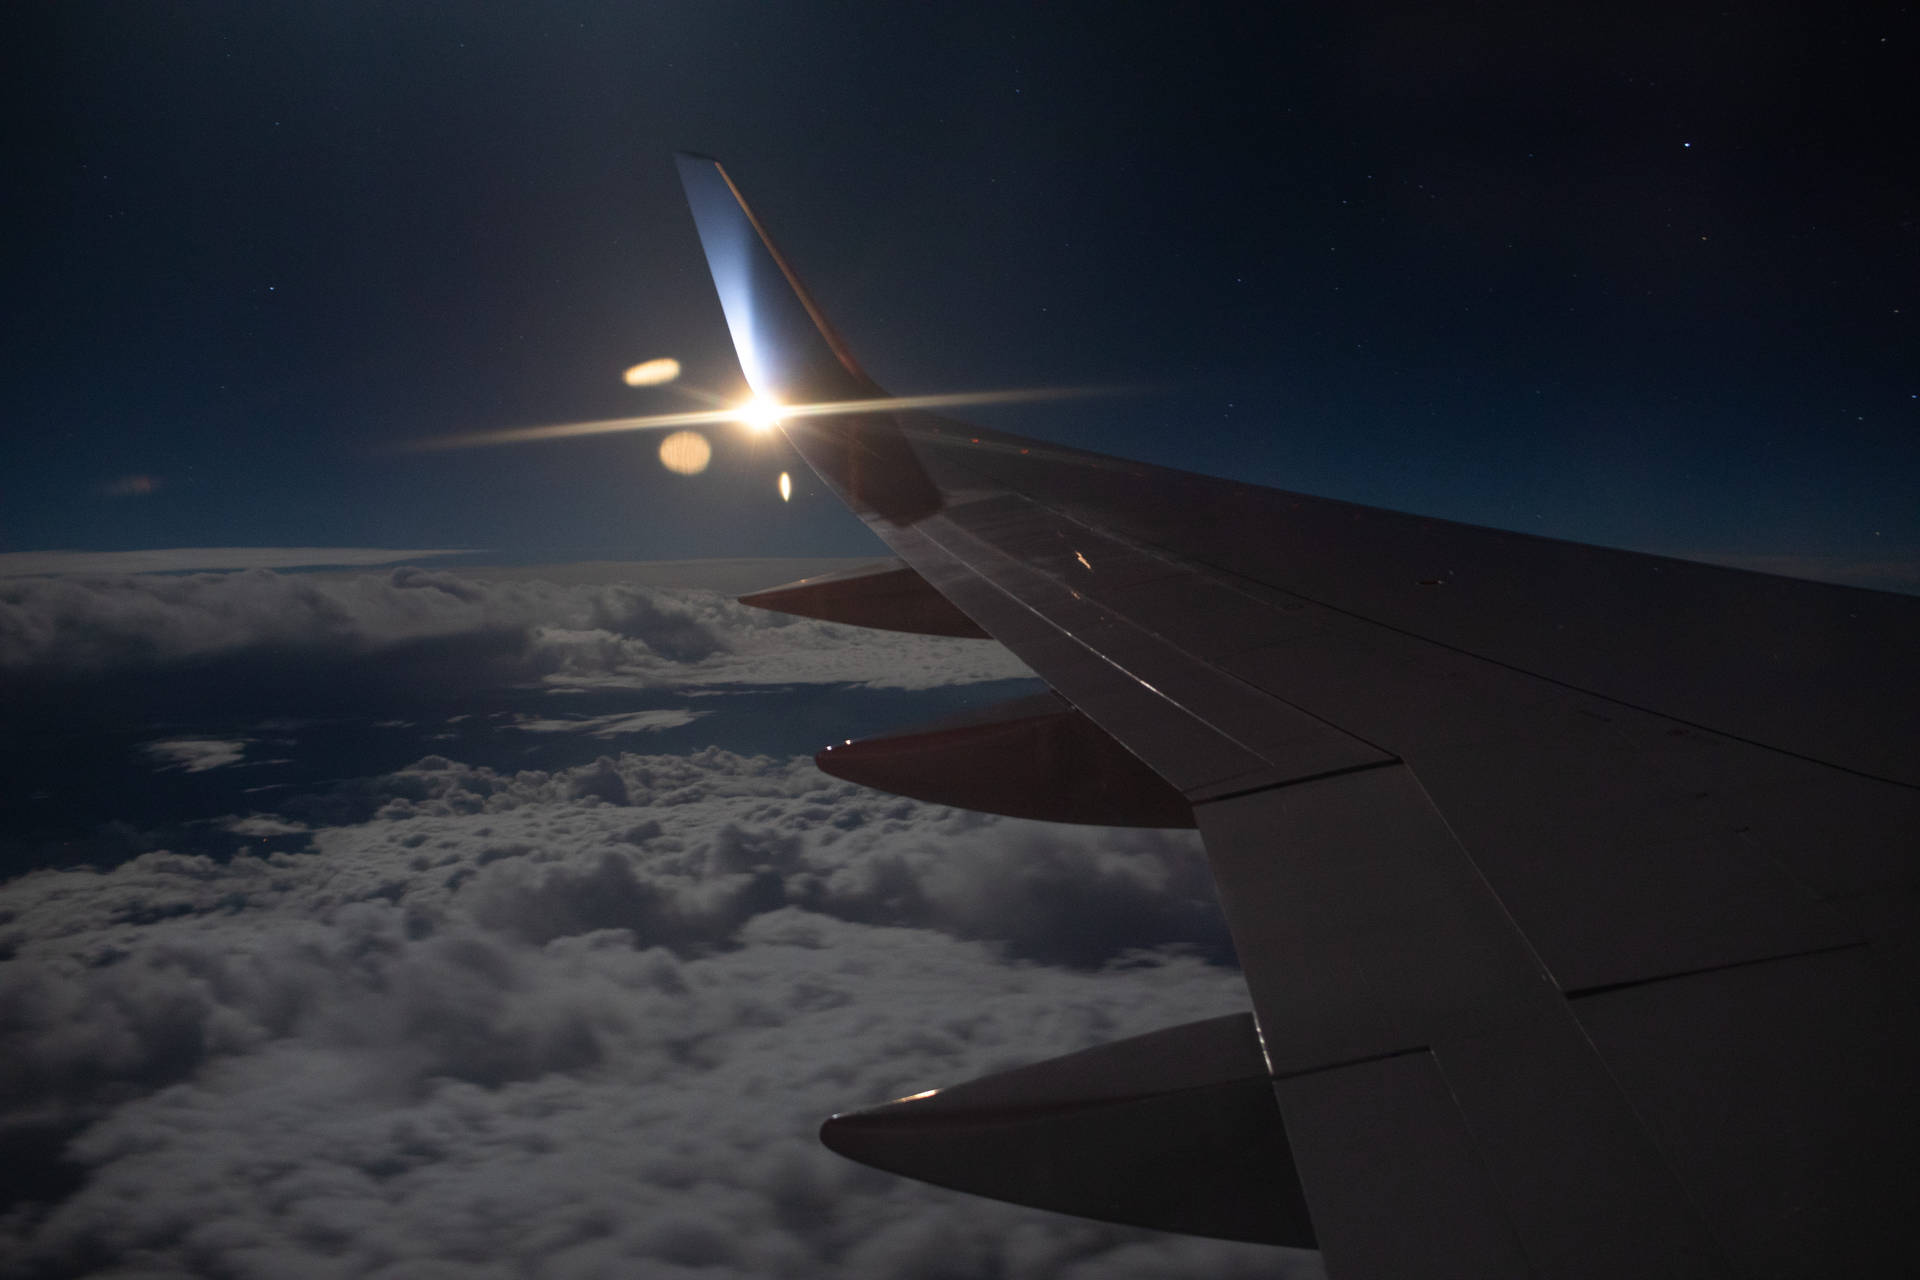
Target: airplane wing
x,y
1574,888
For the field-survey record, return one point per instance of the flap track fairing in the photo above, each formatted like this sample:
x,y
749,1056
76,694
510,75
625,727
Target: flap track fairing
x,y
889,596
1027,758
1177,1130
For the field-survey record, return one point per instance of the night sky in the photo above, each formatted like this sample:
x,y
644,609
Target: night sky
x,y
1636,276
370,911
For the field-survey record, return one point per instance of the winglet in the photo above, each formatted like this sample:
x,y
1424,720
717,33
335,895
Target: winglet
x,y
791,355
787,349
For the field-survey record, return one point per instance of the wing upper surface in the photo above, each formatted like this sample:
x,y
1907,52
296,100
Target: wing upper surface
x,y
1573,887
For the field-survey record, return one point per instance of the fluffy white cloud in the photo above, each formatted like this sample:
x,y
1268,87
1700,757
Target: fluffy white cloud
x,y
413,622
613,726
197,755
570,1023
262,824
580,1023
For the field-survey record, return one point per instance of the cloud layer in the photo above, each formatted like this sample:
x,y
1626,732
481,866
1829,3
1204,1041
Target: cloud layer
x,y
417,625
579,1023
179,559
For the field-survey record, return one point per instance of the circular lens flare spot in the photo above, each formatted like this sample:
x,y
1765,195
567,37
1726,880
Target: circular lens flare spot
x,y
652,373
786,487
685,453
760,415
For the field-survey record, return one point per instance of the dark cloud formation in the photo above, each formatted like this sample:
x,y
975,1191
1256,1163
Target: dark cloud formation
x,y
577,1023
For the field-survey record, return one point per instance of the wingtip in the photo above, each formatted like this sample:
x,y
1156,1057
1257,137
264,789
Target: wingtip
x,y
788,350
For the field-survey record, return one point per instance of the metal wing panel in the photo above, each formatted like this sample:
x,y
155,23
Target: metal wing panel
x,y
1205,732
1368,935
1599,824
1623,843
1399,1187
1803,667
1447,778
1363,927
1793,1120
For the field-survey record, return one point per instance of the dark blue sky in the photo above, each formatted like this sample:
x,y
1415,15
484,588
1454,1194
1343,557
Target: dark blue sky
x,y
1636,276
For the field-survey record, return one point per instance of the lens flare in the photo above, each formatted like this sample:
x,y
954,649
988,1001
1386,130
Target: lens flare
x,y
685,453
786,487
769,412
760,415
652,373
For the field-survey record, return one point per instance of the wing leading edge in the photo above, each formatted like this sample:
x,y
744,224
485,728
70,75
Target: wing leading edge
x,y
1574,888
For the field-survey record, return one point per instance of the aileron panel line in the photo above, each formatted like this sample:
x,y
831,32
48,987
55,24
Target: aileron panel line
x,y
1398,1188
1365,932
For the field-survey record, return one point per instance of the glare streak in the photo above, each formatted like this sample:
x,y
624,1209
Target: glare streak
x,y
567,430
712,417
